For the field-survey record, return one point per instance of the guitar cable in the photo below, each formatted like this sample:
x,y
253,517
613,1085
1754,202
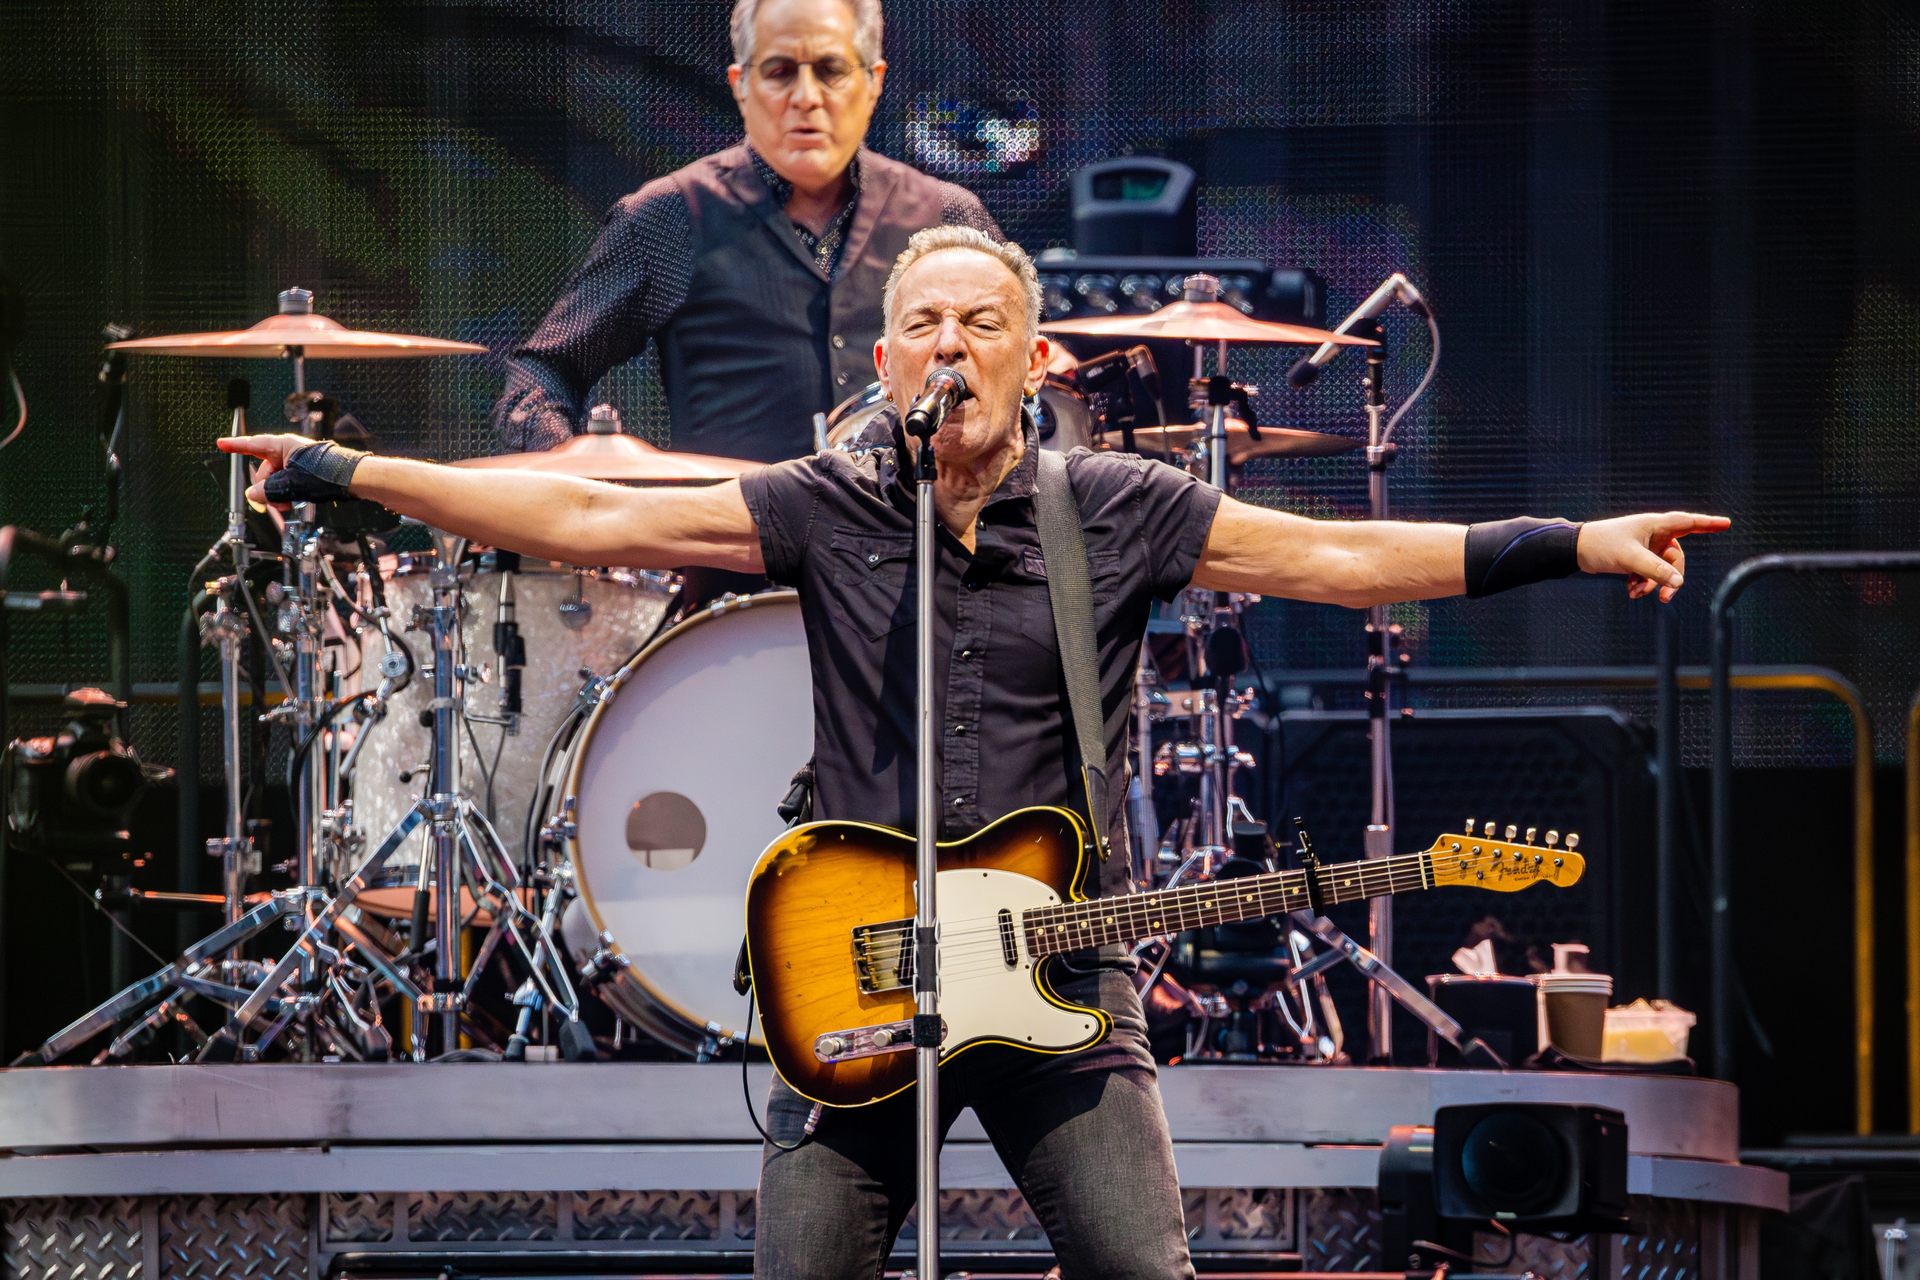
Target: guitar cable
x,y
746,1092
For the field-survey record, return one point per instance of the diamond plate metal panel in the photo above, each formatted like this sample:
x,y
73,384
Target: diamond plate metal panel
x,y
75,1238
234,1237
1193,1207
1544,1256
744,1205
646,1215
357,1218
449,1216
1261,1215
1669,1248
997,1217
1339,1229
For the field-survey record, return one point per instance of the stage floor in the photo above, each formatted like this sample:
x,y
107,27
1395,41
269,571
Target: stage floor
x,y
632,1166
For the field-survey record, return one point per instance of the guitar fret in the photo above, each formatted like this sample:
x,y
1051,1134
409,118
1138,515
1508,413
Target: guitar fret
x,y
1074,925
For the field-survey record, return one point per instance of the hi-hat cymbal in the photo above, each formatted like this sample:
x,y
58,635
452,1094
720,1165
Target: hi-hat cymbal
x,y
317,338
1202,322
1274,442
619,457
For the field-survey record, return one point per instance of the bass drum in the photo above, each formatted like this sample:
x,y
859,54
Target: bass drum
x,y
569,618
673,786
1060,414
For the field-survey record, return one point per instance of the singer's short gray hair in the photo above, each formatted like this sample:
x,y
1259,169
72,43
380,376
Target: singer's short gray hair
x,y
867,24
937,239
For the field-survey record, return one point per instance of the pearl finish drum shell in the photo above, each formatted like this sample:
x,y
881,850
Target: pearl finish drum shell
x,y
626,609
719,711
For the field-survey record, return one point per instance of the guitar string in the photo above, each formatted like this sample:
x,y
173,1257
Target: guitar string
x,y
1400,874
1131,916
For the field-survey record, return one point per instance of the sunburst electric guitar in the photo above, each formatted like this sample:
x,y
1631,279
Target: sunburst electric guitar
x,y
830,934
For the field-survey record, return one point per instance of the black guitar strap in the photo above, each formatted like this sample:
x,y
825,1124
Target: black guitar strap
x,y
1070,587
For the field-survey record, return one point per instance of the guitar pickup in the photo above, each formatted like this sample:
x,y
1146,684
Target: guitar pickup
x,y
883,956
869,1042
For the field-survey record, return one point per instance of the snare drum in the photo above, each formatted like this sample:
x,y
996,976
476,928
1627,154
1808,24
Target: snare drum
x,y
569,618
674,784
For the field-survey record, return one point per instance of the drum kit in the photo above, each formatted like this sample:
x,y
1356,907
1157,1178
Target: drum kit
x,y
591,761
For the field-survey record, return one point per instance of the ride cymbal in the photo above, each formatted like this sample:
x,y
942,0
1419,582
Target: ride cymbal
x,y
1274,442
1202,322
316,337
602,456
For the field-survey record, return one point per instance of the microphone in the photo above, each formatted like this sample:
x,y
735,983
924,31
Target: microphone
x,y
945,388
1394,286
239,399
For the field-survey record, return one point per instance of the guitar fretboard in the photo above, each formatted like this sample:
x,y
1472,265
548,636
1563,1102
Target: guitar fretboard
x,y
1072,926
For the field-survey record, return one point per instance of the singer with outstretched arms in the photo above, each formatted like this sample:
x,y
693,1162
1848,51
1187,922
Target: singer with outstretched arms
x,y
1082,1133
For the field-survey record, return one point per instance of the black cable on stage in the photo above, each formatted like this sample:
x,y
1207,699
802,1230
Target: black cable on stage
x,y
746,1090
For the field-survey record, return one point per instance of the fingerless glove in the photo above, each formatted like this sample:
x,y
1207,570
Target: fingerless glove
x,y
320,472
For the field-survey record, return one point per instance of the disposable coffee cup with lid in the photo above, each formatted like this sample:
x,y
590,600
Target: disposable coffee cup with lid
x,y
1573,1006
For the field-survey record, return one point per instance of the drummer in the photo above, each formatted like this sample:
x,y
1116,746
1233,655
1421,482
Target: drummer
x,y
757,271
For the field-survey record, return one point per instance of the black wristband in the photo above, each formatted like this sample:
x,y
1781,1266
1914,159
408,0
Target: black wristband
x,y
319,472
1512,553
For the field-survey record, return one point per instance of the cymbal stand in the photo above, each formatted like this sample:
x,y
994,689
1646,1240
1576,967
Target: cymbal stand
x,y
1222,655
444,578
226,628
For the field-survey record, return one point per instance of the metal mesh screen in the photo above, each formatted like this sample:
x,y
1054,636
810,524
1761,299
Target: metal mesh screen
x,y
1667,250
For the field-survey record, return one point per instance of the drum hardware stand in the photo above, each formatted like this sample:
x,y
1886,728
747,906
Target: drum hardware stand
x,y
1145,821
1223,653
453,820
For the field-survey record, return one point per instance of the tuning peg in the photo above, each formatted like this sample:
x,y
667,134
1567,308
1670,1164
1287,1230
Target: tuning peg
x,y
1512,831
1530,831
1469,827
1488,833
1553,838
1573,841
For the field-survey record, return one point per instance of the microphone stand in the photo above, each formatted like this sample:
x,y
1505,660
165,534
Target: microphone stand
x,y
926,926
1382,671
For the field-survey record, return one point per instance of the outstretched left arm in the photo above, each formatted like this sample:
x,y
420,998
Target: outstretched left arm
x,y
1368,562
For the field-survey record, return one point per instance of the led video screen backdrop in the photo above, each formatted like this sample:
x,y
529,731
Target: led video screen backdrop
x,y
1669,248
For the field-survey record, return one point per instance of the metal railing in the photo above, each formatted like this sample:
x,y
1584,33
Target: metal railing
x,y
1720,891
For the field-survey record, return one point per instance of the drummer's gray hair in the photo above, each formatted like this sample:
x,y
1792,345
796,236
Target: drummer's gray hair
x,y
867,24
939,239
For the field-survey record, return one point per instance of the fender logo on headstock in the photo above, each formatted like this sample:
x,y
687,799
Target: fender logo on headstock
x,y
1506,865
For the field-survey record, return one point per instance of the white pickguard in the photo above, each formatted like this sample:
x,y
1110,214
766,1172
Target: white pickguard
x,y
982,997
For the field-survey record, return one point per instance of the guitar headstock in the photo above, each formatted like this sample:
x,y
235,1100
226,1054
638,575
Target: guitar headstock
x,y
1480,861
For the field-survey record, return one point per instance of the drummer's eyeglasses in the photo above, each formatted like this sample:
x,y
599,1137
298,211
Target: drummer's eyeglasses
x,y
834,74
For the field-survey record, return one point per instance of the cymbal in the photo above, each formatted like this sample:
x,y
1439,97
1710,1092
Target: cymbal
x,y
619,457
1274,442
1202,322
318,338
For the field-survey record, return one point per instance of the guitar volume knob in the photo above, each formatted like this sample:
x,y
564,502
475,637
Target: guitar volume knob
x,y
882,1038
833,1046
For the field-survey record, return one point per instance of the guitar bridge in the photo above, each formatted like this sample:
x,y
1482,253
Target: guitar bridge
x,y
883,957
869,1042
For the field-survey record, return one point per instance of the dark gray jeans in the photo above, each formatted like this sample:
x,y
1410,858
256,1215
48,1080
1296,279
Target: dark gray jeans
x,y
1083,1134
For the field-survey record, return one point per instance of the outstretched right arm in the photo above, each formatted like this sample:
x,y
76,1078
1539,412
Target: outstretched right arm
x,y
584,522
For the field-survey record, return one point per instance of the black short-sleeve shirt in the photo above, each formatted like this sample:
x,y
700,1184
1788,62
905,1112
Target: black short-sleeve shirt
x,y
839,528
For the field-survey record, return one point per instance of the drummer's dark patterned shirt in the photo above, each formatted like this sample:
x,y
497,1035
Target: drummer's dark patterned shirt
x,y
627,292
840,530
